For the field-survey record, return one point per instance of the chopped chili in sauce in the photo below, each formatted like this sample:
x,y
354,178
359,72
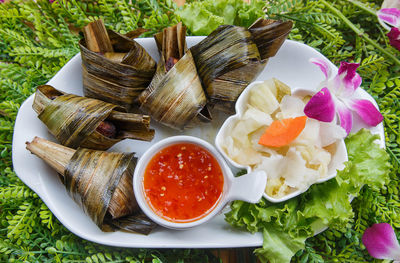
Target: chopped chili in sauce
x,y
183,182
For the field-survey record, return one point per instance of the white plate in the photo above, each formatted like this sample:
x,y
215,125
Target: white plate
x,y
290,65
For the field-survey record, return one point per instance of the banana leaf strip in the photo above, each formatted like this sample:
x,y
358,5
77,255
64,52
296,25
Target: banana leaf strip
x,y
138,223
82,122
175,95
269,35
121,80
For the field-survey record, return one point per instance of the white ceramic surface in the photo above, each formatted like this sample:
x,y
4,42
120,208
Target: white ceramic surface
x,y
290,65
249,187
338,158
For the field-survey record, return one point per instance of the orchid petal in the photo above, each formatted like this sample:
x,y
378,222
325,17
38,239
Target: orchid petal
x,y
381,242
394,37
323,65
321,106
345,116
347,80
390,16
367,111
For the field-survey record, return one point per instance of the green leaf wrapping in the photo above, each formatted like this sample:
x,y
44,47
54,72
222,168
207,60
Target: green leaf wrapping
x,y
117,82
174,97
269,35
231,57
91,178
227,61
73,120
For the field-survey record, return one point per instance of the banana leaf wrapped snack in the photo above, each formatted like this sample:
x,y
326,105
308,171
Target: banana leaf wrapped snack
x,y
231,57
99,182
175,95
85,122
115,68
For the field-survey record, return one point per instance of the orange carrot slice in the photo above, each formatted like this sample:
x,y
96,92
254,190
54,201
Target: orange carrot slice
x,y
282,132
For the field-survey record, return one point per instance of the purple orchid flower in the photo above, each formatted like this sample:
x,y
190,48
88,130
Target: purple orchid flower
x,y
337,98
394,37
391,16
381,242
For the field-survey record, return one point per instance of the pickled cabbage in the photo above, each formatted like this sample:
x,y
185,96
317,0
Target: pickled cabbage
x,y
291,167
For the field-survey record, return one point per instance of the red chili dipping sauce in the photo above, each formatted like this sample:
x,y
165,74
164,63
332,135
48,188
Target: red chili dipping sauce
x,y
183,182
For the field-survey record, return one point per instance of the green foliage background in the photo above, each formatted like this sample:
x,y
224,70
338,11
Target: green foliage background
x,y
38,38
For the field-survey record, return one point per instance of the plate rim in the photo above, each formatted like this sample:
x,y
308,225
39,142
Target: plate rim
x,y
38,186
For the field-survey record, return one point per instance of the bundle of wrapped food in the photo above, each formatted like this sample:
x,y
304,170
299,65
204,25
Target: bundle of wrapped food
x,y
99,182
224,63
175,96
115,68
231,57
84,122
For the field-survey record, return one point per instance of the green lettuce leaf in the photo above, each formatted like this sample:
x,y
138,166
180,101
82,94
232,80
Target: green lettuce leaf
x,y
286,225
371,162
280,247
330,202
204,17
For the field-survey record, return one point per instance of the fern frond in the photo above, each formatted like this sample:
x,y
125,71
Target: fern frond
x,y
22,52
129,17
15,38
21,224
371,65
330,33
283,6
9,13
15,192
323,18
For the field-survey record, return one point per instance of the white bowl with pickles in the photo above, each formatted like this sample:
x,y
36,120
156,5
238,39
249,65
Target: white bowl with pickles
x,y
270,132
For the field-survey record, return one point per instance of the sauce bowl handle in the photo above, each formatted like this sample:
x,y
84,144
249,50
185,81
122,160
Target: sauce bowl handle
x,y
249,187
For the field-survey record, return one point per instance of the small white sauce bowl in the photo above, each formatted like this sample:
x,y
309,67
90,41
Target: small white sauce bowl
x,y
337,161
249,187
